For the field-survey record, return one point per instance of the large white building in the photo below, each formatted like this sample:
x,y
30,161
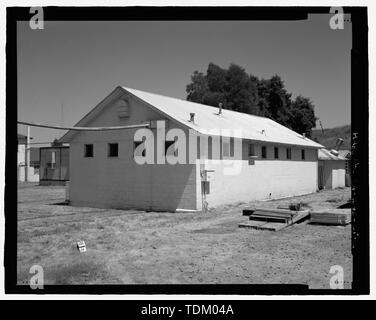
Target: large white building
x,y
274,161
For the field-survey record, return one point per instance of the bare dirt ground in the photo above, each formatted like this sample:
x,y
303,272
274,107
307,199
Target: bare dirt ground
x,y
126,247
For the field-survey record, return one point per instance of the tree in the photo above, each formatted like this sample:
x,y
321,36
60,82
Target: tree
x,y
216,78
56,143
274,100
241,92
232,87
302,115
198,87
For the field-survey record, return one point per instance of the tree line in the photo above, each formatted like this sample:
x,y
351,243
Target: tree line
x,y
239,91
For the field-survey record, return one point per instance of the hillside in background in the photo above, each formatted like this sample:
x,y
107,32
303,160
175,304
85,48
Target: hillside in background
x,y
330,136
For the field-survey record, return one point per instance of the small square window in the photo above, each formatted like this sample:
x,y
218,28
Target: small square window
x,y
276,153
303,154
263,152
113,149
251,150
88,151
288,153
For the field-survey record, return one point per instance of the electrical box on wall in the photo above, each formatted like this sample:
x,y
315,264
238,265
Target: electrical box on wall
x,y
205,187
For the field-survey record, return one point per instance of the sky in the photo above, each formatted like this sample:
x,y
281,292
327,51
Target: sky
x,y
67,68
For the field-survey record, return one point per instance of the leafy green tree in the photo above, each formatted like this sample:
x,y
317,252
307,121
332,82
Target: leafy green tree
x,y
216,78
241,92
302,115
198,87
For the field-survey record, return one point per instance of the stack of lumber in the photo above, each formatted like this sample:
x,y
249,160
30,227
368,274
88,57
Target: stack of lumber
x,y
281,215
331,216
271,218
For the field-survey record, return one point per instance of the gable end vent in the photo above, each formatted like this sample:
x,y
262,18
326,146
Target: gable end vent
x,y
122,108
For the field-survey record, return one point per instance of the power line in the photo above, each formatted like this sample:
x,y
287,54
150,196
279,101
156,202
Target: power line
x,y
142,125
32,143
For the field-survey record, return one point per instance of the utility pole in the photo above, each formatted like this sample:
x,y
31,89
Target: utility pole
x,y
322,129
27,151
27,155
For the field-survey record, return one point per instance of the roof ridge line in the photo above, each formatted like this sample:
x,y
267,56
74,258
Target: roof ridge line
x,y
202,104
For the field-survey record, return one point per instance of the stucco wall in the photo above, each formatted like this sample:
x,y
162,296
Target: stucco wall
x,y
333,173
119,182
21,154
262,180
32,173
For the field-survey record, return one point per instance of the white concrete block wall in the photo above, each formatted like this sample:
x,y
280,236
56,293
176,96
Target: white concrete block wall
x,y
334,174
32,175
21,154
263,180
120,182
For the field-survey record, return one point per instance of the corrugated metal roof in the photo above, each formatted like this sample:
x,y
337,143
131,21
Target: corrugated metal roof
x,y
207,118
325,154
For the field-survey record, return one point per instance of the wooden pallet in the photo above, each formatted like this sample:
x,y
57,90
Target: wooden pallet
x,y
273,219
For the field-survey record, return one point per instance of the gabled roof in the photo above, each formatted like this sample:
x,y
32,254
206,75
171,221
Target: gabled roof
x,y
206,118
325,154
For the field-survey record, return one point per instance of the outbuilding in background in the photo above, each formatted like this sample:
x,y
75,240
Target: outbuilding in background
x,y
347,155
54,165
332,169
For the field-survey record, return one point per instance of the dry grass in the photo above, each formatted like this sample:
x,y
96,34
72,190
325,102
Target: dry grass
x,y
147,247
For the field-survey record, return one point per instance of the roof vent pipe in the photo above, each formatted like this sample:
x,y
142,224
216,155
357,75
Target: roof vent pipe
x,y
192,117
339,143
220,105
334,152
